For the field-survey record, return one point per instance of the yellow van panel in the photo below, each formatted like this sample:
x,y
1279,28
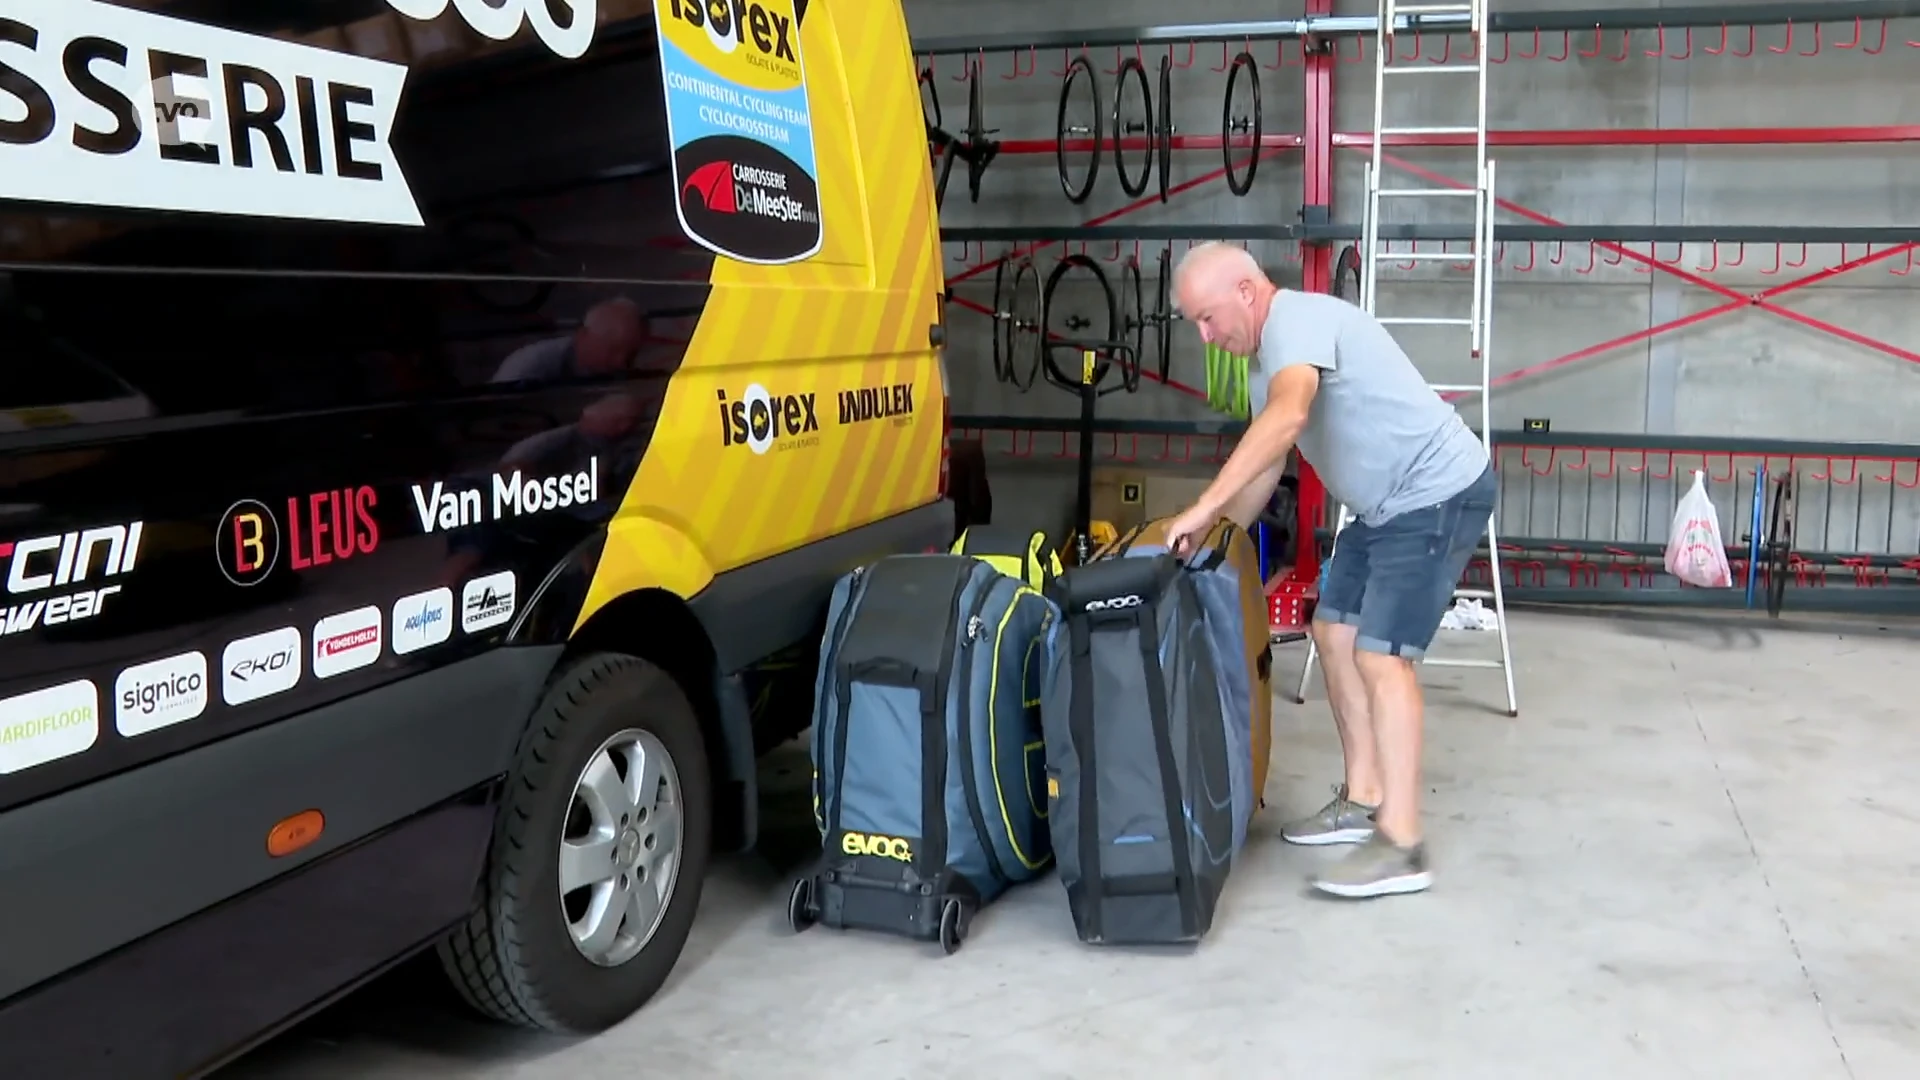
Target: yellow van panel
x,y
854,317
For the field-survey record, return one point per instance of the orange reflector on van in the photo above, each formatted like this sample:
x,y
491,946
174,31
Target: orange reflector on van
x,y
295,833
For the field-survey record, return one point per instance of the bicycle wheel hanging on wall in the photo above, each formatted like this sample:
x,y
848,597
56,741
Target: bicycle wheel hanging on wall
x,y
1163,128
1018,318
1779,545
943,171
980,150
1163,315
1240,122
1132,323
942,147
1086,313
930,112
1132,115
1079,118
1346,274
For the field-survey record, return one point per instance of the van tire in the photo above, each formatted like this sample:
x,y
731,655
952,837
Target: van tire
x,y
513,959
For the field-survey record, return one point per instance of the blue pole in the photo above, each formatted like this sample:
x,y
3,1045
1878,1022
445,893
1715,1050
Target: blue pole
x,y
1753,537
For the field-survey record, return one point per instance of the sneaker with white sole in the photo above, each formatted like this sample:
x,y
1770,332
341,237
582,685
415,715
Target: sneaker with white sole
x,y
1341,821
1378,867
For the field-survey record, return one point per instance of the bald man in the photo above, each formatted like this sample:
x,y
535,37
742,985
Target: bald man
x,y
1331,380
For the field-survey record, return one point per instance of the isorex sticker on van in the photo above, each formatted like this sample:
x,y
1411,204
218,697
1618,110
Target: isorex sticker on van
x,y
741,128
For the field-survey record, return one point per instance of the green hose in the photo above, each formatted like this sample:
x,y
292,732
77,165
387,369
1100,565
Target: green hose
x,y
1227,383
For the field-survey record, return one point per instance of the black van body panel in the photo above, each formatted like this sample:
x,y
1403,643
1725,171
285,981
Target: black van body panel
x,y
195,995
763,607
123,857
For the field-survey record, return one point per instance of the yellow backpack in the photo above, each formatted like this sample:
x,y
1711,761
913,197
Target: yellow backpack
x,y
1025,556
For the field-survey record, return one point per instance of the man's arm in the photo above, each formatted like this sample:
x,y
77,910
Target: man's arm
x,y
1243,509
1263,449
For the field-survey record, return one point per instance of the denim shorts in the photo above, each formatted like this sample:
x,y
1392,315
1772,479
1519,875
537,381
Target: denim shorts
x,y
1393,581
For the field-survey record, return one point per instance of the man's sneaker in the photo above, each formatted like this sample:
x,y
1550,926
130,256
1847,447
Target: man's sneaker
x,y
1378,867
1341,821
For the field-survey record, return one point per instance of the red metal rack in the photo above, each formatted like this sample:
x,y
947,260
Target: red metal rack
x,y
1320,43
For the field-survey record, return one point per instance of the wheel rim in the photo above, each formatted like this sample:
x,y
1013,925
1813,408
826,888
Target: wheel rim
x,y
1163,314
1133,75
1096,326
930,100
620,847
1004,284
1166,124
1233,122
1076,121
1133,324
1025,331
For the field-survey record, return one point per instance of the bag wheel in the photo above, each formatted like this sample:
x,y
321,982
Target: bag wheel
x,y
800,913
953,929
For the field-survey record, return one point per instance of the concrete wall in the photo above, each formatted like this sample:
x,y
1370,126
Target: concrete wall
x,y
1750,374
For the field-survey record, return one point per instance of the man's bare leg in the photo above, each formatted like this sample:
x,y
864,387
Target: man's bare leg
x,y
1395,708
1352,714
1348,818
1393,859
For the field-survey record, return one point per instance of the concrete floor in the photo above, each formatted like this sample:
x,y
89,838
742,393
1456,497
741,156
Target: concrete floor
x,y
1696,853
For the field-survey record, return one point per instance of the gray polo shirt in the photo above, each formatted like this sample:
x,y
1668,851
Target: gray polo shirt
x,y
1382,441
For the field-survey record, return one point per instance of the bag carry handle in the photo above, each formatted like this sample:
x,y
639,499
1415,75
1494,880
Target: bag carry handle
x,y
1218,554
1211,558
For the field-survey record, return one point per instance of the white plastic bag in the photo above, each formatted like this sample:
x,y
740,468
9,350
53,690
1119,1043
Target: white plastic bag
x,y
1467,613
1695,554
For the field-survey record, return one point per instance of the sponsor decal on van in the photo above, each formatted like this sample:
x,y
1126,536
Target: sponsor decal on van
x,y
893,402
160,693
422,620
47,725
42,570
331,525
321,528
501,19
514,494
346,642
761,421
741,127
246,544
487,602
260,666
110,106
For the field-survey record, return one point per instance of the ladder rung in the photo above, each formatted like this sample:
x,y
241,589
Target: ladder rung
x,y
1429,69
1455,388
1447,661
1426,256
1431,131
1429,193
1423,320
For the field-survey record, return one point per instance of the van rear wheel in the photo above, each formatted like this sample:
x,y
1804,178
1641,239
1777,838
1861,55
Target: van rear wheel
x,y
596,866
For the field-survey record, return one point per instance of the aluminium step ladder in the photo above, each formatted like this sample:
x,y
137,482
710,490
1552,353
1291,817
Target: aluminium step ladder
x,y
1470,17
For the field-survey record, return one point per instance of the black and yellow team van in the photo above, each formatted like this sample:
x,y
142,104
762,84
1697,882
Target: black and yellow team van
x,y
429,431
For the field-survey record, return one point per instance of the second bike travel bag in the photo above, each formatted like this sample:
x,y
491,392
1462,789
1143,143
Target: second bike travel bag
x,y
1225,567
1139,763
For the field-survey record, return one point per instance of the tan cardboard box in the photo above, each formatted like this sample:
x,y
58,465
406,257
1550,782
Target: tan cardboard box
x,y
1168,495
1120,497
